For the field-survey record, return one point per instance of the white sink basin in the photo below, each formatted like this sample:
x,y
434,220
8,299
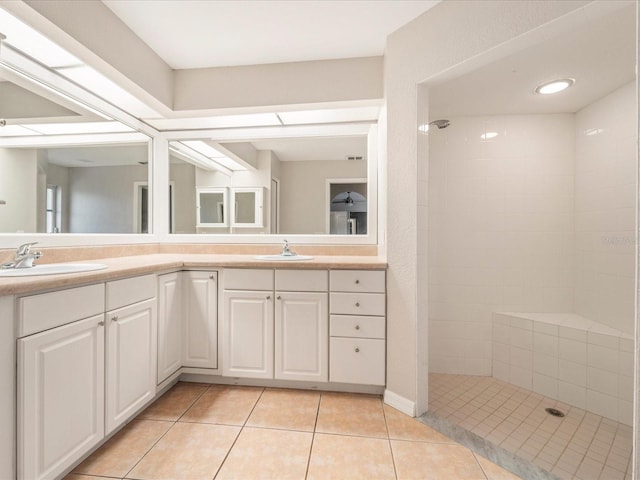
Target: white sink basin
x,y
283,258
51,269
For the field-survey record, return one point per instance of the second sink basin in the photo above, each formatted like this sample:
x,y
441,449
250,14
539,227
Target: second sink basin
x,y
51,269
283,258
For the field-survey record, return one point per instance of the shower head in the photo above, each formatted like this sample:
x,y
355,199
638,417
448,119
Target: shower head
x,y
440,123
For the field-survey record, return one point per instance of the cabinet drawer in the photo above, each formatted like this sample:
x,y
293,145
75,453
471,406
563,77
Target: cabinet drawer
x,y
358,281
358,303
128,291
248,279
357,360
357,326
48,310
302,280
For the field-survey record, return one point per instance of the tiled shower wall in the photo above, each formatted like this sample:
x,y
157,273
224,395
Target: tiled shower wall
x,y
501,230
605,196
538,219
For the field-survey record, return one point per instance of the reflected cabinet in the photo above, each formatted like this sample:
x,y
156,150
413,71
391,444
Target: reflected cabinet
x,y
211,207
243,209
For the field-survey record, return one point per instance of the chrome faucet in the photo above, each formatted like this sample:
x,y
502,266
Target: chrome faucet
x,y
286,251
23,257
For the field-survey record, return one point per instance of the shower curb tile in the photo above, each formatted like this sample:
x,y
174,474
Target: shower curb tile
x,y
479,445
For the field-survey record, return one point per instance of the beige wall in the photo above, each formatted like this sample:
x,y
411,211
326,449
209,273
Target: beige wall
x,y
303,192
18,188
445,36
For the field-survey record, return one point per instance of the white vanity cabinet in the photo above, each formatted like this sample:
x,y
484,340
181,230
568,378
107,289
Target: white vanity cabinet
x,y
169,324
276,324
357,327
248,323
60,399
301,343
131,350
200,319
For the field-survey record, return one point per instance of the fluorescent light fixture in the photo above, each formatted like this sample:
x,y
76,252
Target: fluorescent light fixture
x,y
107,89
555,86
336,115
198,159
223,121
16,131
31,42
79,127
488,135
211,152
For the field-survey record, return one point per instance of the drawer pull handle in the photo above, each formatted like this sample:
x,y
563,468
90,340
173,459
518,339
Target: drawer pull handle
x,y
279,297
268,297
357,282
114,318
357,350
101,323
357,327
357,304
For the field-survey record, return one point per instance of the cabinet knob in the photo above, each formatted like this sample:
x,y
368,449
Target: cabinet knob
x,y
278,297
357,327
268,297
357,282
101,323
114,318
211,277
357,350
357,304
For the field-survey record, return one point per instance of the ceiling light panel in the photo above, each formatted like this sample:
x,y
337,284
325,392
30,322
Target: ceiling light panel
x,y
80,127
223,121
24,38
210,152
306,117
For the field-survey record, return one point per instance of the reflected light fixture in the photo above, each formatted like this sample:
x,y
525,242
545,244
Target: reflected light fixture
x,y
555,86
488,135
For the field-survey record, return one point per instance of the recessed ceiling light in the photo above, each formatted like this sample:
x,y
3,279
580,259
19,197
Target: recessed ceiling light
x,y
554,86
488,135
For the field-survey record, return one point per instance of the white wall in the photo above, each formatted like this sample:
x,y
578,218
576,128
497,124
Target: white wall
x,y
606,171
57,175
501,230
303,191
18,188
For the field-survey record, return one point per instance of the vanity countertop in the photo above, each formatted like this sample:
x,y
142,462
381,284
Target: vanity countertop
x,y
121,267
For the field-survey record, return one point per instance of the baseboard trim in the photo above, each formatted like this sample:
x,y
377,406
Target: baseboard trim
x,y
398,402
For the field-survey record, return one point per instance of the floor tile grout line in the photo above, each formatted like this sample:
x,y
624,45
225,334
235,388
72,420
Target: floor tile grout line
x,y
313,435
475,457
206,389
235,441
150,448
393,458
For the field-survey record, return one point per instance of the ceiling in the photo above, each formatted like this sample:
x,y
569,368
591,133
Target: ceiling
x,y
197,34
599,54
314,148
98,155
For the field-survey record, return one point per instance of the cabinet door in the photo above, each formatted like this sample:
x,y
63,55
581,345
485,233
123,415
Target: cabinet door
x,y
60,397
301,336
131,360
248,327
169,324
200,325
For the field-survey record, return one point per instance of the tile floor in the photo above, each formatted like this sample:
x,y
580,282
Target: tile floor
x,y
197,431
580,446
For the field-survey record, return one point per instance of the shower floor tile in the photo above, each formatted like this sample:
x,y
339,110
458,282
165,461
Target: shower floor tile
x,y
579,446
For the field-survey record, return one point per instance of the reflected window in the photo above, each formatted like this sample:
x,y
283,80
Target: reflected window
x,y
53,213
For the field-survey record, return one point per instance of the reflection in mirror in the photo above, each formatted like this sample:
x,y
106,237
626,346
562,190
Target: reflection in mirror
x,y
63,168
276,185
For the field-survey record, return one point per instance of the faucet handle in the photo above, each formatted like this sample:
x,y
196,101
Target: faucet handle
x,y
24,248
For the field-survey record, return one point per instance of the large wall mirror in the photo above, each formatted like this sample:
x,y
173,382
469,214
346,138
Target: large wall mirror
x,y
293,185
64,168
